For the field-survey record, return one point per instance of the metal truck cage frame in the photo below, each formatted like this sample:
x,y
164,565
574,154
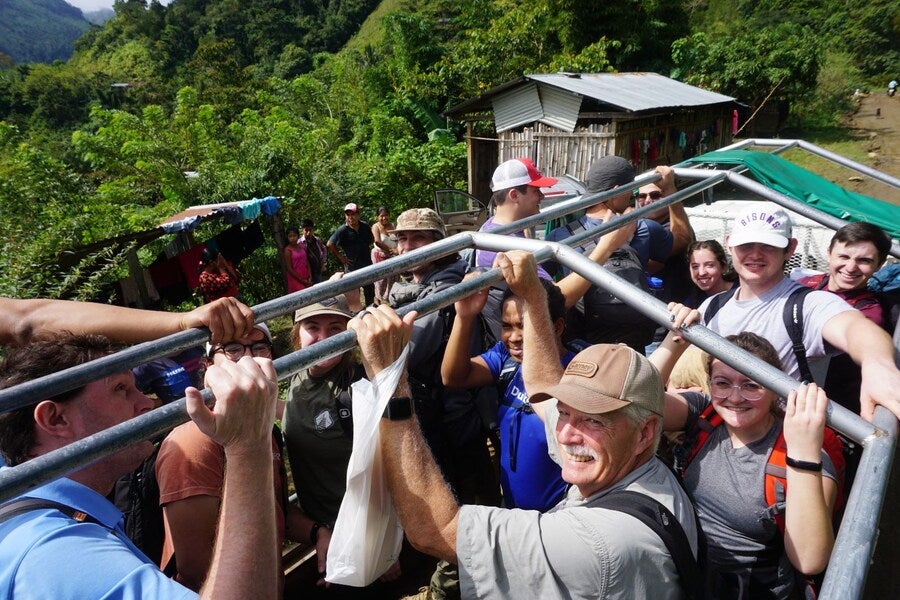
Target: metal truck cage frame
x,y
855,543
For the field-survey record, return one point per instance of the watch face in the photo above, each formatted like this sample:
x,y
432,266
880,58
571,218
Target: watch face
x,y
398,409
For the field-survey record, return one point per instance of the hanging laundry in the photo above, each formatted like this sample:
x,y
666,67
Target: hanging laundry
x,y
653,151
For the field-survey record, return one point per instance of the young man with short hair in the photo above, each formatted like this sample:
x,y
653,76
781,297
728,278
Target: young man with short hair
x,y
760,243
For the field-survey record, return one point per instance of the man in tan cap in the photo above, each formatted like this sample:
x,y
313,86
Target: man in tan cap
x,y
603,422
449,419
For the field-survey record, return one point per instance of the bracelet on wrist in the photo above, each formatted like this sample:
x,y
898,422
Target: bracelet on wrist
x,y
803,465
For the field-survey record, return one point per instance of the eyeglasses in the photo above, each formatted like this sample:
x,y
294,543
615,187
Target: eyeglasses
x,y
749,390
235,350
653,195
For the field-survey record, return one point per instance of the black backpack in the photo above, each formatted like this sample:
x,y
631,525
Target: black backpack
x,y
602,318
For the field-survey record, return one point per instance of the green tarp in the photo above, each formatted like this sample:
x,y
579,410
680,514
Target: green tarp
x,y
798,183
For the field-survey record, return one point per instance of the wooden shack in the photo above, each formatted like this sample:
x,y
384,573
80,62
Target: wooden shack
x,y
565,121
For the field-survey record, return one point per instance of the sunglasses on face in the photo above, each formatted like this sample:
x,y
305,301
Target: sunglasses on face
x,y
653,195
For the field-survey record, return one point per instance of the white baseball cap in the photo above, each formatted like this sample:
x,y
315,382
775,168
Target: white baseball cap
x,y
519,171
762,223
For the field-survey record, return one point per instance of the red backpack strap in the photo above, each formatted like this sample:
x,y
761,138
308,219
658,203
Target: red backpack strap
x,y
708,420
776,475
776,482
834,447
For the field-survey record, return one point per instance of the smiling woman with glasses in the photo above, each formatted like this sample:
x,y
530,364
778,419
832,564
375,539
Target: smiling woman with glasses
x,y
235,350
738,454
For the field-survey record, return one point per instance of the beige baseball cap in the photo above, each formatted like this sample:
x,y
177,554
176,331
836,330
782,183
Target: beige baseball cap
x,y
328,306
607,377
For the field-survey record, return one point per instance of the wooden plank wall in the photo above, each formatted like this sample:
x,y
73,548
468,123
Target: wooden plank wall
x,y
676,136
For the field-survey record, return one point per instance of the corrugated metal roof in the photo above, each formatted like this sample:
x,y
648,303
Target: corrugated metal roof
x,y
560,108
517,107
628,92
633,91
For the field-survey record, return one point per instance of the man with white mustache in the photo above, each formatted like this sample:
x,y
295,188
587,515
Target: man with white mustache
x,y
604,413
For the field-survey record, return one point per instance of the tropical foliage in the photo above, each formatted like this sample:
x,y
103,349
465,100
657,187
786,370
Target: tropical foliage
x,y
274,97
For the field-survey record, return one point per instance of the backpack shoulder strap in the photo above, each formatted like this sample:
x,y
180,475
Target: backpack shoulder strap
x,y
661,520
793,322
775,482
717,302
508,371
708,420
24,505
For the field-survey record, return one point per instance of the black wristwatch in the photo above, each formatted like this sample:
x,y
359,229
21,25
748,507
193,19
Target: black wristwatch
x,y
399,408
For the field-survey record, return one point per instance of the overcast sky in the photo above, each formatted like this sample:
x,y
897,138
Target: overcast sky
x,y
89,5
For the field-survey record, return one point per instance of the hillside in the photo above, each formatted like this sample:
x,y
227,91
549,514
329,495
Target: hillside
x,y
39,30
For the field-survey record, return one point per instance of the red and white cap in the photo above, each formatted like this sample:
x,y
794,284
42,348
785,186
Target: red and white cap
x,y
519,171
352,207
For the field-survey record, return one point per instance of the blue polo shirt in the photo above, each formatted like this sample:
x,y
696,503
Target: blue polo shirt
x,y
528,476
45,554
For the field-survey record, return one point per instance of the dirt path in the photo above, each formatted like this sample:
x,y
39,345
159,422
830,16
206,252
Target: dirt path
x,y
877,121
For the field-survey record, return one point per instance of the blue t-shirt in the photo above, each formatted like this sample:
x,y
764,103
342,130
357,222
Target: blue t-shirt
x,y
45,554
528,476
650,241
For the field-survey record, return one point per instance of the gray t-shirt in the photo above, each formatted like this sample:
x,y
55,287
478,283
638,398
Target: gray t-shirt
x,y
727,487
573,551
763,316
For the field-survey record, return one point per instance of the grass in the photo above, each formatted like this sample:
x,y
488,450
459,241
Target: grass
x,y
370,32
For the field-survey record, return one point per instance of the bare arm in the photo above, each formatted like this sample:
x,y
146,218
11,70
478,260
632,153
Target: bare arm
x,y
664,359
872,349
21,320
458,369
377,233
332,247
298,528
808,534
540,352
245,561
573,285
541,366
679,224
426,506
192,527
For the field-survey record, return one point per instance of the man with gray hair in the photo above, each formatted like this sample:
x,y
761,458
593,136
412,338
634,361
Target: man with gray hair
x,y
603,420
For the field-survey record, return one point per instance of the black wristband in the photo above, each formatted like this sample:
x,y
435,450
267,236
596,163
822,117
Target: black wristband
x,y
803,465
314,532
399,408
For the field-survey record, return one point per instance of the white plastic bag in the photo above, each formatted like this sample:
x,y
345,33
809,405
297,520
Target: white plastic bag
x,y
367,534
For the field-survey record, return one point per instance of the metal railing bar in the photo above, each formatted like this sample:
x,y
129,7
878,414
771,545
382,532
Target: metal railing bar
x,y
857,536
19,479
845,421
45,387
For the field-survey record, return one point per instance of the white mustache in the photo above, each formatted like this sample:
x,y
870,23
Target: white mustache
x,y
579,451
